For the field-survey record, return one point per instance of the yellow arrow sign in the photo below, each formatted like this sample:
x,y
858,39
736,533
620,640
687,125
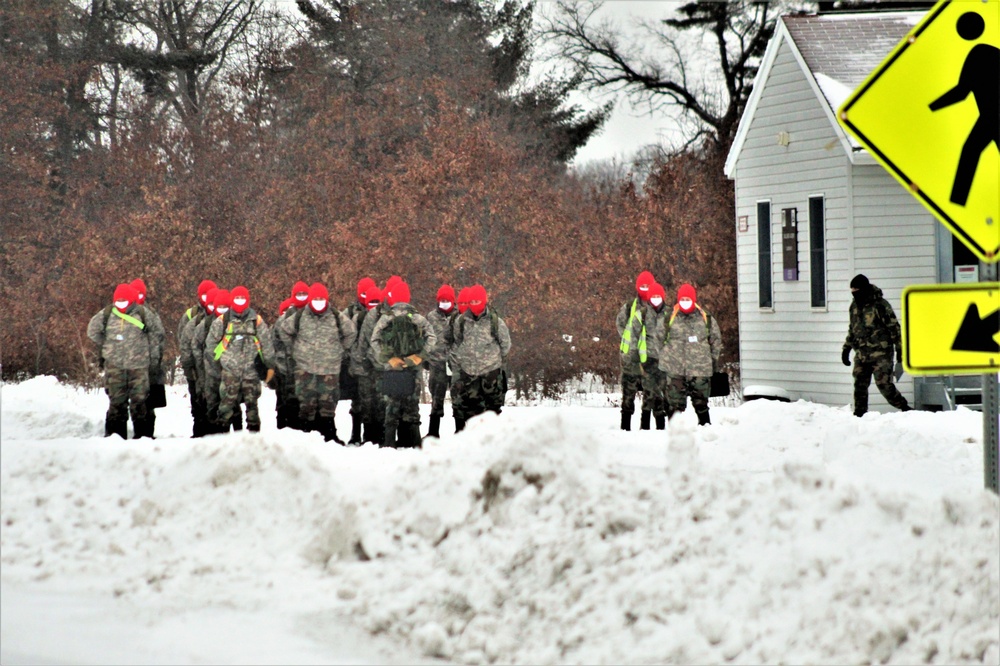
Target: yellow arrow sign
x,y
929,114
951,329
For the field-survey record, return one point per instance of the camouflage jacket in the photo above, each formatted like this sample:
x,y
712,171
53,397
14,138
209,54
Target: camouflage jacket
x,y
873,330
206,366
638,334
654,320
476,351
159,338
123,344
185,329
691,343
319,341
402,310
234,346
363,360
284,364
439,323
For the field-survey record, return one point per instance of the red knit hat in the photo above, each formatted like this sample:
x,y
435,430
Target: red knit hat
x,y
463,300
687,291
398,293
391,282
124,292
373,296
643,283
317,292
285,304
363,285
238,293
477,293
203,288
446,293
300,287
222,300
210,299
657,290
140,290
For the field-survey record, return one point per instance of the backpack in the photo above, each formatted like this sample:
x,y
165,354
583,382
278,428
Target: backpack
x,y
494,328
401,337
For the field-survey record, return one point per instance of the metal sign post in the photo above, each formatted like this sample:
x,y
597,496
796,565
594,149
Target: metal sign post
x,y
991,412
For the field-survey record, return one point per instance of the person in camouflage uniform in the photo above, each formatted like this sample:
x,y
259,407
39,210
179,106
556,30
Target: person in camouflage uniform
x,y
209,370
286,404
189,363
632,331
157,390
480,342
320,336
241,342
356,312
691,345
400,341
652,377
126,338
437,360
873,332
363,368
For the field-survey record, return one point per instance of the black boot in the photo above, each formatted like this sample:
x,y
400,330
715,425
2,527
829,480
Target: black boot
x,y
389,436
661,422
459,424
118,427
412,435
355,429
644,421
434,429
626,421
703,418
330,430
237,421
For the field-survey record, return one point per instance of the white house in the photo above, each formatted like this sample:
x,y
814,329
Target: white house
x,y
813,209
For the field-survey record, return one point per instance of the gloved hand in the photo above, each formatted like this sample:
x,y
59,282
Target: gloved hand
x,y
397,363
845,356
897,371
413,361
269,377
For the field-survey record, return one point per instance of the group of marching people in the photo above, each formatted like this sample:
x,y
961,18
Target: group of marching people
x,y
374,353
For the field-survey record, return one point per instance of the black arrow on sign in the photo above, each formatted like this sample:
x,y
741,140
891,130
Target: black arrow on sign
x,y
976,334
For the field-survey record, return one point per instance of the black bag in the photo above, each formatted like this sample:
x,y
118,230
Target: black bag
x,y
399,383
720,385
157,396
258,365
348,382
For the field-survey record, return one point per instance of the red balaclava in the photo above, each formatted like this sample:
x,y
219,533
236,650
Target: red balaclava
x,y
285,304
210,299
478,299
463,300
222,302
643,283
140,291
656,293
318,298
124,296
399,293
203,288
240,293
300,294
686,292
363,285
446,299
373,297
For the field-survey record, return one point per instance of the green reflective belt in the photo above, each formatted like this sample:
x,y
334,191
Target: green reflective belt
x,y
129,318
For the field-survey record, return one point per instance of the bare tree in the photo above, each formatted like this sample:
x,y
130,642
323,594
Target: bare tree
x,y
703,59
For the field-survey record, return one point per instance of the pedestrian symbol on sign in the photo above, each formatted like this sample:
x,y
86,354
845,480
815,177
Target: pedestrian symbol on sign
x,y
980,74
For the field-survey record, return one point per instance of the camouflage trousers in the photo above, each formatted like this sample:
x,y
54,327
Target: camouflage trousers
x,y
437,384
210,391
127,392
317,395
403,409
472,395
371,402
653,380
881,368
678,389
286,405
234,390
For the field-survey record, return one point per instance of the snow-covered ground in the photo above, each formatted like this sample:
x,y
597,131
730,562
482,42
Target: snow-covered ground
x,y
782,533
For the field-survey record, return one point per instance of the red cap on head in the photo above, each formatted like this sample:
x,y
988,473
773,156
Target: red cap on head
x,y
222,300
373,296
363,285
686,291
317,292
657,290
302,288
240,293
398,293
446,293
124,292
478,299
643,283
285,304
140,290
463,300
203,288
210,299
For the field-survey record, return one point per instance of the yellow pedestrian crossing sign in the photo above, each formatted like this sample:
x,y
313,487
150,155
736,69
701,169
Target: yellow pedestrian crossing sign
x,y
951,328
930,115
